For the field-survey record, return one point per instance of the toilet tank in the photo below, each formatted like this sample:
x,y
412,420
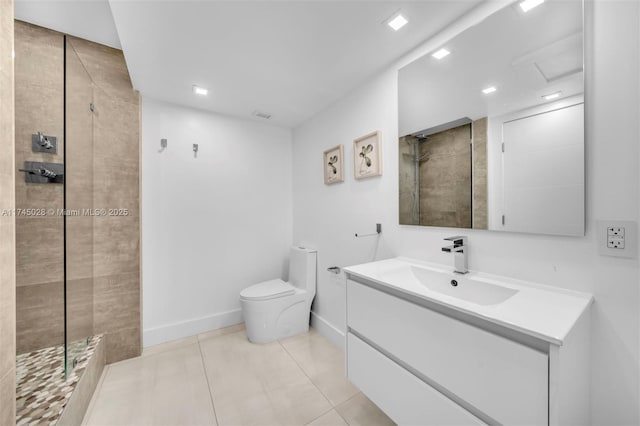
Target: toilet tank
x,y
302,268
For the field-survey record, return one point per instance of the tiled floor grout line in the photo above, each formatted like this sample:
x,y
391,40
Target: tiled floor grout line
x,y
340,415
206,377
323,414
313,383
344,402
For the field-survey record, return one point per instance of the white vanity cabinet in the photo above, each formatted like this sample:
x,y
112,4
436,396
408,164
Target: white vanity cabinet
x,y
425,363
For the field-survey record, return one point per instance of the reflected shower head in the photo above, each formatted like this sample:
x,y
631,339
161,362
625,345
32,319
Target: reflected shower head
x,y
417,139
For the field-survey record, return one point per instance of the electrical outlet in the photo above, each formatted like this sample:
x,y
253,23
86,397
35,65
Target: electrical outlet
x,y
615,231
617,238
615,243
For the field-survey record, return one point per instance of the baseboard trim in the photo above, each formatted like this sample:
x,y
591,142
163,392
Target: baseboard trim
x,y
328,330
179,330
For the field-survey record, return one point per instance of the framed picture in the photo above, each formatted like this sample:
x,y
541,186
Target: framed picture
x,y
334,165
367,156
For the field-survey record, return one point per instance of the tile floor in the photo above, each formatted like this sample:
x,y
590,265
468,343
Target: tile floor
x,y
221,378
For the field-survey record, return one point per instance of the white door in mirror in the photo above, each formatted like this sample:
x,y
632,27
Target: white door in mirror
x,y
543,172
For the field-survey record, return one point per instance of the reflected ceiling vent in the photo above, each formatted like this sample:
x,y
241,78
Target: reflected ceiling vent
x,y
556,61
261,114
559,66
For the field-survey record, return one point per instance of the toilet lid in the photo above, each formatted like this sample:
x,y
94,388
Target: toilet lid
x,y
268,290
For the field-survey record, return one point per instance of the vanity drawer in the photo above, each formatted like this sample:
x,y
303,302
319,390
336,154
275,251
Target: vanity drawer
x,y
497,378
412,401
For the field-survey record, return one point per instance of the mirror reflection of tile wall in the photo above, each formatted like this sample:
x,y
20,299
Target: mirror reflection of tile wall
x,y
439,180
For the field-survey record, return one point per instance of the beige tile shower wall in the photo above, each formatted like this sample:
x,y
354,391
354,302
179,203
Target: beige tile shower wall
x,y
7,223
116,186
104,283
39,103
407,196
480,174
445,179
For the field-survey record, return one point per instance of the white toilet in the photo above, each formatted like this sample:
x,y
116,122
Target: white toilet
x,y
276,309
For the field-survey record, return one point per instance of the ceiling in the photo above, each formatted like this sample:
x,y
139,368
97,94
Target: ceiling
x,y
290,59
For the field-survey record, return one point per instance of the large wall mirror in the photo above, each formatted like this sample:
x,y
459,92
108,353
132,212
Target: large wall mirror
x,y
491,125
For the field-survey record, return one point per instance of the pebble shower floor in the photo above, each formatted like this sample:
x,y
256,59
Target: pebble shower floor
x,y
41,389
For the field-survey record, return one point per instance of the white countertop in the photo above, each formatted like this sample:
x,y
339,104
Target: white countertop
x,y
545,312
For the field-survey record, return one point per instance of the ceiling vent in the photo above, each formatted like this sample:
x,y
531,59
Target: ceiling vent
x,y
260,114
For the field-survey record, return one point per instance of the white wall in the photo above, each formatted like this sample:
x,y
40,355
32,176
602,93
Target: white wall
x,y
214,224
328,216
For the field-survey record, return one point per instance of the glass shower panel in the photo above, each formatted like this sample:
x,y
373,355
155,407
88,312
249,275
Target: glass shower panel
x,y
79,214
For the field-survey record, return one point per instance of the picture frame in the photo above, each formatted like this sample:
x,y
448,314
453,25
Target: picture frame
x,y
367,155
333,165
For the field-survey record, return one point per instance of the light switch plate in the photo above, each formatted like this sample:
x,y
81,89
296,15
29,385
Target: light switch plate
x,y
617,238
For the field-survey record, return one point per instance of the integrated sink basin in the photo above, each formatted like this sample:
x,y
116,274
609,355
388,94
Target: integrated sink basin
x,y
444,282
471,290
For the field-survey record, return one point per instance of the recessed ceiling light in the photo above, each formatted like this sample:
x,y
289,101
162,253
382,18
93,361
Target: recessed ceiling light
x,y
527,5
441,53
552,95
199,90
489,90
398,22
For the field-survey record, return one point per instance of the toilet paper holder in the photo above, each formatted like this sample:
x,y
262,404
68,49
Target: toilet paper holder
x,y
334,269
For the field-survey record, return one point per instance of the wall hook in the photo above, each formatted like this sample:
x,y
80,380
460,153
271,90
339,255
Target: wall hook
x,y
378,232
195,150
163,145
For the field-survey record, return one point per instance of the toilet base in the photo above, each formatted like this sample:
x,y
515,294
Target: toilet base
x,y
270,320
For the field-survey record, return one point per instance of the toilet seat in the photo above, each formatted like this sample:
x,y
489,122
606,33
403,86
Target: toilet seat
x,y
267,290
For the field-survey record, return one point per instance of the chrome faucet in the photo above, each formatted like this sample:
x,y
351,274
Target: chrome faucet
x,y
459,250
